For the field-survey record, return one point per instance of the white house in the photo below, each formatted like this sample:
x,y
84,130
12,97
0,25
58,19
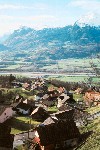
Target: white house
x,y
22,107
5,113
62,99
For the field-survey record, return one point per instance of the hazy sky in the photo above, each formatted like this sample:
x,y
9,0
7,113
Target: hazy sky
x,y
45,13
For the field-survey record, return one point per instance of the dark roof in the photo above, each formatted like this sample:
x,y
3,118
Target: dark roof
x,y
7,141
48,102
77,112
64,107
14,105
21,105
68,114
40,114
24,106
57,132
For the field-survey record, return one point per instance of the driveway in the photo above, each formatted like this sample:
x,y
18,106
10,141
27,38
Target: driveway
x,y
19,138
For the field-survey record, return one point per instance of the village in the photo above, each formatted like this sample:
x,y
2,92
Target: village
x,y
41,114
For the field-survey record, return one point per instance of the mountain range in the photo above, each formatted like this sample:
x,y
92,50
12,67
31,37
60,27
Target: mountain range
x,y
53,43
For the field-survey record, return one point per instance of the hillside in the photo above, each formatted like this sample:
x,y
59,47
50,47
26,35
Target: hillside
x,y
93,141
55,43
43,50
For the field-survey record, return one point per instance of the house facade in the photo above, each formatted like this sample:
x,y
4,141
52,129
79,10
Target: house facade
x,y
5,113
92,97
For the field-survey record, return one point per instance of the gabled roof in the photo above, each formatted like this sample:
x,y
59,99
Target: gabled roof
x,y
64,107
23,106
40,114
68,114
57,132
7,142
39,110
14,105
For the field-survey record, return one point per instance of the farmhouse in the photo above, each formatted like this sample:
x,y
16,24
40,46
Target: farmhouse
x,y
92,97
56,134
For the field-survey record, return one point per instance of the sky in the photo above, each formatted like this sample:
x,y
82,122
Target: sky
x,y
40,14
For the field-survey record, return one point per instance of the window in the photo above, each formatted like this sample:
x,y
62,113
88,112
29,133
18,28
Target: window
x,y
61,97
57,146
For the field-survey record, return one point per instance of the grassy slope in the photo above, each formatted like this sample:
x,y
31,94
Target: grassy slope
x,y
93,142
25,120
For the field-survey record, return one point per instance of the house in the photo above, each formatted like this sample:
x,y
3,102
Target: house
x,y
53,93
39,114
60,90
92,97
6,139
51,88
26,86
78,91
64,107
64,115
50,98
36,98
16,84
18,98
22,108
48,103
29,102
72,112
56,134
5,113
62,99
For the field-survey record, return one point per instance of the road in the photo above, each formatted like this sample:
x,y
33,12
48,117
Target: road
x,y
42,74
19,138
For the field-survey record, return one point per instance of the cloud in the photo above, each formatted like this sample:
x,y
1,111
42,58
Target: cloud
x,y
9,6
6,17
90,18
88,5
39,6
10,23
39,17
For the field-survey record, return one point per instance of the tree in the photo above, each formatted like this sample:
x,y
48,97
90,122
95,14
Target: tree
x,y
11,78
95,67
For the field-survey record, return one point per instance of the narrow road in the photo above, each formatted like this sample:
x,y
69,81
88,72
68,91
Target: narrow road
x,y
19,138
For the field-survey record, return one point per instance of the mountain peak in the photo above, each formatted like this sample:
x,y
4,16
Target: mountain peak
x,y
91,18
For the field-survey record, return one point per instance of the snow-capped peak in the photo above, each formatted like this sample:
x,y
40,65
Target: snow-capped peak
x,y
90,18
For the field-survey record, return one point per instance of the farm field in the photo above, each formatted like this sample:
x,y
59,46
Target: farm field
x,y
64,65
